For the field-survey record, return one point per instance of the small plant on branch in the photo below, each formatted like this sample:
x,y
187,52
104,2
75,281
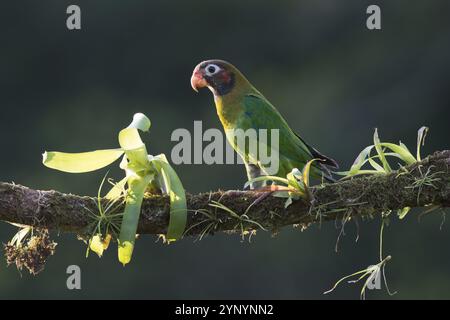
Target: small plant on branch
x,y
379,163
30,248
372,274
143,173
295,186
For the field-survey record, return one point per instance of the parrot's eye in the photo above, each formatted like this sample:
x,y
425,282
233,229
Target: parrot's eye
x,y
212,69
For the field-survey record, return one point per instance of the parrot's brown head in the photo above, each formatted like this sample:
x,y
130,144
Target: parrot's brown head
x,y
218,75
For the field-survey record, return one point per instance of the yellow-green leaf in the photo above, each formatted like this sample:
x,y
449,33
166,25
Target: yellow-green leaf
x,y
81,162
96,244
375,165
360,160
133,202
293,182
403,212
130,141
266,178
178,206
402,151
421,134
117,190
379,149
305,172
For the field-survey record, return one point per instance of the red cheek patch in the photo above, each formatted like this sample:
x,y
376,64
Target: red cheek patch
x,y
225,77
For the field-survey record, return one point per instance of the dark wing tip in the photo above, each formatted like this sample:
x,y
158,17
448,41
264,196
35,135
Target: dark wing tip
x,y
316,154
325,160
329,162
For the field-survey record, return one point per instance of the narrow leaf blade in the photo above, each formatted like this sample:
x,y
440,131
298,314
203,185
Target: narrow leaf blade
x,y
81,162
421,134
178,206
379,149
133,202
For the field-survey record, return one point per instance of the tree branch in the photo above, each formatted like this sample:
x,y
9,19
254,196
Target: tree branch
x,y
360,196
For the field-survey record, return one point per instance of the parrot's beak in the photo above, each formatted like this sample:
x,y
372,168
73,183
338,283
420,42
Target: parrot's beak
x,y
197,80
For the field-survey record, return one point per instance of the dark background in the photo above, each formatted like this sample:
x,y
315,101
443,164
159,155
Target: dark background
x,y
332,78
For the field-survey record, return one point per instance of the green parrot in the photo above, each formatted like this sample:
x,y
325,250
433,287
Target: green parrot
x,y
241,106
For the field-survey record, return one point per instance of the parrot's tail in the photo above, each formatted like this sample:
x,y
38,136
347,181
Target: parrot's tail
x,y
325,164
325,161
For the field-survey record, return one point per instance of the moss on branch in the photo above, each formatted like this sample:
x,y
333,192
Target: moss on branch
x,y
422,184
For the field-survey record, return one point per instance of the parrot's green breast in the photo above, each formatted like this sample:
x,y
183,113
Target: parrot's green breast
x,y
229,111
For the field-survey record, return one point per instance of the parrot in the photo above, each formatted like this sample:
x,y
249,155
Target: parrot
x,y
240,105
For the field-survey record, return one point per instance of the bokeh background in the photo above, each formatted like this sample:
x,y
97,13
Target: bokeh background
x,y
332,78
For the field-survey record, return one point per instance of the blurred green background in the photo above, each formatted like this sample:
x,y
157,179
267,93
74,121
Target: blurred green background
x,y
332,78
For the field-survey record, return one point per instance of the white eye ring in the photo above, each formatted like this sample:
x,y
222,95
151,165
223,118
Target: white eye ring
x,y
212,69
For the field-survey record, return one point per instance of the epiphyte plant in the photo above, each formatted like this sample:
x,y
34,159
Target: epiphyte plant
x,y
296,185
379,163
399,151
143,173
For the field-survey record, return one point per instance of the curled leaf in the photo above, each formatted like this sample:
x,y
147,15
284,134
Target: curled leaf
x,y
421,135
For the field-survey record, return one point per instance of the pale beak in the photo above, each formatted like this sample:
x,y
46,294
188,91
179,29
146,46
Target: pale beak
x,y
197,80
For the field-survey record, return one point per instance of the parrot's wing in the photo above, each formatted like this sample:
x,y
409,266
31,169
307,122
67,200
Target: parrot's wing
x,y
260,114
293,151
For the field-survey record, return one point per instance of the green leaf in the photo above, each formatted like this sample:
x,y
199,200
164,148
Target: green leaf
x,y
306,170
378,148
281,194
117,190
360,160
98,244
403,212
133,202
293,182
135,150
421,134
265,178
402,152
375,165
81,162
177,195
223,207
131,143
139,176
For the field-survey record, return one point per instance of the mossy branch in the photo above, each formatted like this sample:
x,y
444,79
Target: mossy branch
x,y
360,196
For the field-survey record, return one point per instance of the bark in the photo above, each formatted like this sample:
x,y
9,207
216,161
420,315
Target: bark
x,y
360,196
